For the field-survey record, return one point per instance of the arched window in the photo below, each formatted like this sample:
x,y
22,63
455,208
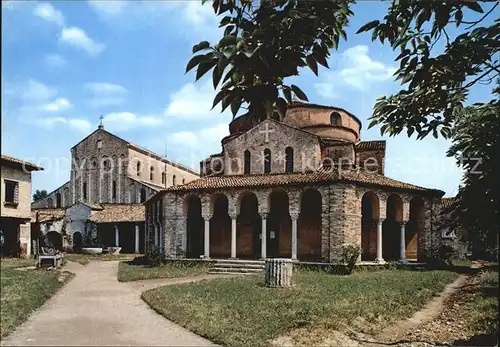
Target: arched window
x,y
335,118
267,160
163,178
138,168
173,180
143,195
58,200
151,173
114,190
183,180
84,193
289,159
246,162
50,203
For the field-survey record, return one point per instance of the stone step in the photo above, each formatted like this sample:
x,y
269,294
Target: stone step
x,y
239,265
235,270
239,261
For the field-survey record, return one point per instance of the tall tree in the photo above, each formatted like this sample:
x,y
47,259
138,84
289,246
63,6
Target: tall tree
x,y
39,194
264,43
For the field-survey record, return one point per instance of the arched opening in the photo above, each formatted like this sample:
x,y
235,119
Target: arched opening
x,y
309,226
132,193
174,179
267,160
66,201
370,209
220,228
335,119
195,227
50,203
163,177
53,240
289,159
414,227
143,195
246,162
151,173
248,227
279,226
58,200
138,168
77,241
391,229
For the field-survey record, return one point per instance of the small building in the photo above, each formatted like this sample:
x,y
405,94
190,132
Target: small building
x,y
300,186
15,230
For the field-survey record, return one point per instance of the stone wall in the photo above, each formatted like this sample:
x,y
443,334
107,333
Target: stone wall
x,y
23,179
307,152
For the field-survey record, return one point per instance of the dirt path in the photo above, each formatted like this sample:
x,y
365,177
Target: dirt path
x,y
95,309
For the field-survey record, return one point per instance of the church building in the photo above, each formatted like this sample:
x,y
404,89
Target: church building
x,y
299,187
110,180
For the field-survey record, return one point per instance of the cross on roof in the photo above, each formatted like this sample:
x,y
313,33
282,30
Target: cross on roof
x,y
100,122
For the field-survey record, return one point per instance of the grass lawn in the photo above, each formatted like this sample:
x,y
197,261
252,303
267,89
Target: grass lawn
x,y
127,271
23,291
242,312
84,259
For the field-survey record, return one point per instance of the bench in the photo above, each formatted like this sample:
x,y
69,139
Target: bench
x,y
55,258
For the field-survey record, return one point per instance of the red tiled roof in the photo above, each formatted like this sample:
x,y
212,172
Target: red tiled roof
x,y
47,215
27,164
115,213
305,104
370,145
264,180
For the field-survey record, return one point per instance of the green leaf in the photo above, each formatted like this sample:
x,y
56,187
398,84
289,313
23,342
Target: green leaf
x,y
287,92
458,16
299,93
201,46
281,107
195,61
368,26
218,97
313,65
227,41
204,67
474,6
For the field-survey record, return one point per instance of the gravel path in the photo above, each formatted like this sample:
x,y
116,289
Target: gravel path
x,y
95,309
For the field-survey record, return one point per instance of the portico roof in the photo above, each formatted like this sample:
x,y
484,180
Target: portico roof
x,y
282,179
117,213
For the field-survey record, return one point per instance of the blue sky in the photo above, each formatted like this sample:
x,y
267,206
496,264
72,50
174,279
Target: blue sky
x,y
66,63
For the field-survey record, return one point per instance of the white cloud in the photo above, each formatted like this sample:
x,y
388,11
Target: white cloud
x,y
121,121
104,88
198,14
105,94
357,70
55,60
46,11
193,102
37,91
110,8
78,124
203,140
77,37
60,104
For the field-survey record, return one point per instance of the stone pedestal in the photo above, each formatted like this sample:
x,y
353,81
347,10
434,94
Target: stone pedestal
x,y
278,272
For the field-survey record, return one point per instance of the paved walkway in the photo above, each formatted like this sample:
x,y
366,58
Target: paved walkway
x,y
95,309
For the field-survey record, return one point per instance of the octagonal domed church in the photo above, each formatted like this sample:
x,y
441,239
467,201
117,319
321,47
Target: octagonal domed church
x,y
300,187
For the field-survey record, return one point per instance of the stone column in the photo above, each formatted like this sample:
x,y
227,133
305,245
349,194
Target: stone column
x,y
233,236
117,236
136,238
295,217
278,272
380,259
207,236
156,235
402,244
263,240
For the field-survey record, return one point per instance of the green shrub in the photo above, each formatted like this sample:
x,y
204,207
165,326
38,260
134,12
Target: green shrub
x,y
349,257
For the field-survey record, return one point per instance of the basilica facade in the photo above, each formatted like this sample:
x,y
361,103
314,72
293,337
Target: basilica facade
x,y
110,180
299,187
